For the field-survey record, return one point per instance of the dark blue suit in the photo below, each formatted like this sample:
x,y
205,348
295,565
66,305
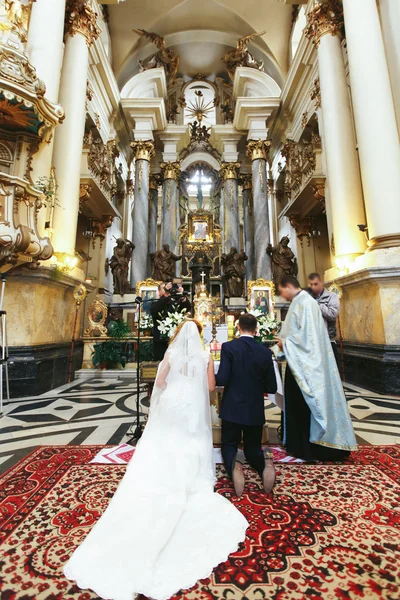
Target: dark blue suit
x,y
247,373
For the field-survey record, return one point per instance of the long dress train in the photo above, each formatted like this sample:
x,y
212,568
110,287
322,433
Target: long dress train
x,y
165,528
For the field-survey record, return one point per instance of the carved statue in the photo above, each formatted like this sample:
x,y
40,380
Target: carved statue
x,y
15,12
165,57
119,265
164,263
241,57
226,109
283,260
234,273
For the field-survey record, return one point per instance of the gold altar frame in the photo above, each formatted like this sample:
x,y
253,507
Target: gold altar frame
x,y
148,290
97,315
261,288
194,220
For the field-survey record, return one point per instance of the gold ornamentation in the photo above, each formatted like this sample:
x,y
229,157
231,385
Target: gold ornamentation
x,y
99,227
315,93
261,176
229,170
165,57
102,163
303,227
80,293
145,284
332,245
304,119
85,191
171,170
258,149
80,18
97,315
168,193
241,57
140,175
143,149
155,181
319,193
246,181
199,109
262,284
325,18
231,194
89,91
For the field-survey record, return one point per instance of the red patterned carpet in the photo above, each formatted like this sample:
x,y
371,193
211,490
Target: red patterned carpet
x,y
329,531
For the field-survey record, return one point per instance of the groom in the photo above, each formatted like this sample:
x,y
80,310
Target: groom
x,y
246,372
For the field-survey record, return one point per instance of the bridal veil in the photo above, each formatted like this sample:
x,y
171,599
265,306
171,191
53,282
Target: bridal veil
x,y
165,528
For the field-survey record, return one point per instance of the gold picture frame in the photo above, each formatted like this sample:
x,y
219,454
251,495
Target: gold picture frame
x,y
261,296
147,290
200,227
97,315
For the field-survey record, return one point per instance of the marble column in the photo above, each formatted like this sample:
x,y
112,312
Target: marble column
x,y
375,119
170,204
324,27
81,31
257,151
48,16
248,223
153,211
229,173
143,151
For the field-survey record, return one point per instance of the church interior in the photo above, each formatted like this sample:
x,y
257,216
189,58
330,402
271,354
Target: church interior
x,y
217,146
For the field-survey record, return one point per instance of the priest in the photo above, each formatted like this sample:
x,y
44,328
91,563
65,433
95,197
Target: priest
x,y
317,423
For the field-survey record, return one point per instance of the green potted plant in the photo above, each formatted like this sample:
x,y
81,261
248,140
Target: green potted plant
x,y
109,354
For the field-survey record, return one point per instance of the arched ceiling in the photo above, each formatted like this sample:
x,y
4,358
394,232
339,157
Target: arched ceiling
x,y
200,31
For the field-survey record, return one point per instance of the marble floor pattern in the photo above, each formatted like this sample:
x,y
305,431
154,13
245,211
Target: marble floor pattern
x,y
102,411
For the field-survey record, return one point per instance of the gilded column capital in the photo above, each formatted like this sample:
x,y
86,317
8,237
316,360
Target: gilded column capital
x,y
143,149
81,18
246,181
229,170
171,170
325,18
155,181
258,149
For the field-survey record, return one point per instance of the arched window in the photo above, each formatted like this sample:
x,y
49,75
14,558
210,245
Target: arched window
x,y
199,97
6,159
297,31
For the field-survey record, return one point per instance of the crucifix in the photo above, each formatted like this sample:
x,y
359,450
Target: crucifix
x,y
202,275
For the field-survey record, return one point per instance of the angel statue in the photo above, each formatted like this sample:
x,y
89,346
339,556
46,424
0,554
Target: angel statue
x,y
165,57
241,57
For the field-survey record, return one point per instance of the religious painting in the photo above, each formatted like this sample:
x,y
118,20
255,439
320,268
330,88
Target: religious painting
x,y
148,291
261,296
200,230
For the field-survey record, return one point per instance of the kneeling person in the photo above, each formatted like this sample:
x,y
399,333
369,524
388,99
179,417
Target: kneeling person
x,y
246,372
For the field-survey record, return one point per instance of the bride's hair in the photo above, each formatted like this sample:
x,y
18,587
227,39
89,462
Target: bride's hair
x,y
181,325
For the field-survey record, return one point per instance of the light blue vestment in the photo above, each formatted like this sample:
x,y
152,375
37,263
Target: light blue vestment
x,y
310,356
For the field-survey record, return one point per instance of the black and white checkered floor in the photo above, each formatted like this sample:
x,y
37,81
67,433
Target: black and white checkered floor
x,y
101,411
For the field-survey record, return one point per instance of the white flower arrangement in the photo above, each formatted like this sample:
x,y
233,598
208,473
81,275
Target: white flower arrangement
x,y
167,326
268,325
146,322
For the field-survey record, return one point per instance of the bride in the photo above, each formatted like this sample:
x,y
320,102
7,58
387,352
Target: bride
x,y
165,528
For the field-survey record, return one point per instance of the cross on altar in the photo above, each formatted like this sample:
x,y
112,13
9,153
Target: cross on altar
x,y
202,275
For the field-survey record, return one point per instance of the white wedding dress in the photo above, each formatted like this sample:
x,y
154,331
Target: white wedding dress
x,y
165,528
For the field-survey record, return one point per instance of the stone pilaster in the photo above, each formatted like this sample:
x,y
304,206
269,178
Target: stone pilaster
x,y
325,23
170,205
81,31
248,223
143,151
257,151
229,173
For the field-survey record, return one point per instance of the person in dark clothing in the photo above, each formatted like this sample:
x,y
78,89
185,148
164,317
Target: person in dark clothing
x,y
160,309
246,372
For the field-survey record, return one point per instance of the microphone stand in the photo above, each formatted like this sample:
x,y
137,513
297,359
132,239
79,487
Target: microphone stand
x,y
137,434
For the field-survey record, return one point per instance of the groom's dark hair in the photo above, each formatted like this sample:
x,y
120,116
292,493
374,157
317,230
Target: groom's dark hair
x,y
248,323
289,280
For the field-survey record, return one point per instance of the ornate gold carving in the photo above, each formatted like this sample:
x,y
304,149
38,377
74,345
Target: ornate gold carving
x,y
146,283
81,18
300,163
171,170
140,175
89,91
261,283
85,191
165,57
304,119
241,57
246,181
155,181
258,149
325,18
261,176
102,163
143,149
97,315
315,93
303,227
319,193
99,227
229,170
